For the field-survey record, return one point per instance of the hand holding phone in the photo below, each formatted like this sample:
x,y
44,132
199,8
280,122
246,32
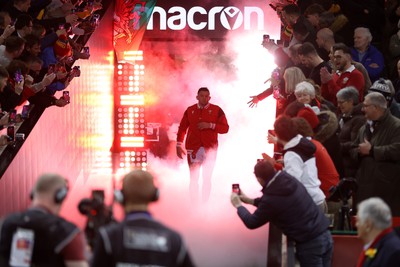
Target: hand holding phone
x,y
66,96
236,188
18,76
51,69
11,133
13,116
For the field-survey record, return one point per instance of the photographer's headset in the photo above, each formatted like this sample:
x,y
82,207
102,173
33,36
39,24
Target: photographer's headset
x,y
119,196
59,195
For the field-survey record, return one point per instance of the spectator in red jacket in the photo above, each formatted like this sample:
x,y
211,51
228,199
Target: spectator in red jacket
x,y
202,122
346,75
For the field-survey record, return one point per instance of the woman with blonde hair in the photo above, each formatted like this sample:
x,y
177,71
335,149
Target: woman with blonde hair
x,y
292,76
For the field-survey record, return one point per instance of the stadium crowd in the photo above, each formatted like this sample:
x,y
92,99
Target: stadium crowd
x,y
340,72
38,49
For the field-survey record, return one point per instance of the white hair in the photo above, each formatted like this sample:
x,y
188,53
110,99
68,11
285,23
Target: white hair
x,y
365,32
376,211
306,88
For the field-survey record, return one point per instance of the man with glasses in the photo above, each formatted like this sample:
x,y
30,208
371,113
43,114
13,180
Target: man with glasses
x,y
377,150
346,74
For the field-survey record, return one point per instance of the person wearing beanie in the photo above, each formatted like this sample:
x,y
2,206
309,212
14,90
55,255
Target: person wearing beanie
x,y
139,240
286,204
377,152
386,88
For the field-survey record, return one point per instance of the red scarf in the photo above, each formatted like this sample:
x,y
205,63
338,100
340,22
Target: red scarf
x,y
363,256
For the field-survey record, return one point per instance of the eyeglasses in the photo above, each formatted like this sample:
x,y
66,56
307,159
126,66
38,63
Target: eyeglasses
x,y
340,102
367,105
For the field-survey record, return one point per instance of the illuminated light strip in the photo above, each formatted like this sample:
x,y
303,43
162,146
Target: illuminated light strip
x,y
133,58
132,100
132,141
135,55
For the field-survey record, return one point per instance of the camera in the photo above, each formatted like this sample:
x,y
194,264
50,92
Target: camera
x,y
343,190
97,213
11,133
236,188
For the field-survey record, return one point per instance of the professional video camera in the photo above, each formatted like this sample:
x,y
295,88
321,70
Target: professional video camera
x,y
343,191
97,213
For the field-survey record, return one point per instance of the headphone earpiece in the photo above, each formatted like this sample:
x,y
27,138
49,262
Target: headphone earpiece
x,y
156,195
60,195
119,196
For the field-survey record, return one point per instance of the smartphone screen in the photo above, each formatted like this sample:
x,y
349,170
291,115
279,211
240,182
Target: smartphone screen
x,y
18,76
11,132
66,96
236,188
13,116
25,112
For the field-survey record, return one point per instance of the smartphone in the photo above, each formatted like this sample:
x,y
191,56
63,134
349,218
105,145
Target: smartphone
x,y
25,112
86,50
271,132
13,116
18,76
278,155
11,133
236,188
66,96
77,70
51,69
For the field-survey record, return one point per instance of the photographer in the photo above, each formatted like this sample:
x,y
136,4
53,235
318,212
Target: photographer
x,y
139,240
38,236
286,203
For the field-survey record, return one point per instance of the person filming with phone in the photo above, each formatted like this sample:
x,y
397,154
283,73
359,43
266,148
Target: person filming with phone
x,y
286,203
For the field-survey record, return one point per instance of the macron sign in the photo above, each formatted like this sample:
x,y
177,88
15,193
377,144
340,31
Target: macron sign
x,y
198,18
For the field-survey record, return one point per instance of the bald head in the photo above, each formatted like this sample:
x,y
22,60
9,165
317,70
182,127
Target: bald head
x,y
138,187
325,38
48,184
